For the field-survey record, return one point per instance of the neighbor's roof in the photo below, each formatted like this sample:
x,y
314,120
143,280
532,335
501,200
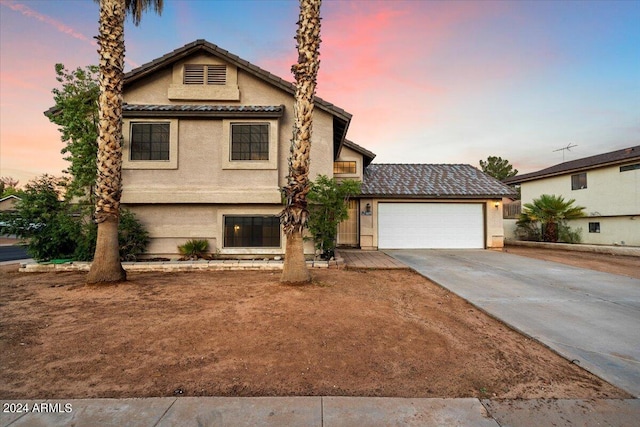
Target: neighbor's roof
x,y
427,180
626,155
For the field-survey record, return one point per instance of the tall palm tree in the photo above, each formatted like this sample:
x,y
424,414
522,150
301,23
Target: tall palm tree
x,y
106,266
295,214
550,211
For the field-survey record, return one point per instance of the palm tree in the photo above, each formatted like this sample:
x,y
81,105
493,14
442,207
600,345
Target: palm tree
x,y
106,266
295,214
550,211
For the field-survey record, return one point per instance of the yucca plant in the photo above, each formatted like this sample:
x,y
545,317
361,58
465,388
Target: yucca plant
x,y
194,248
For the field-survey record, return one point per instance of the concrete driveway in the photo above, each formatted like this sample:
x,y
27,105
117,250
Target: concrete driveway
x,y
587,316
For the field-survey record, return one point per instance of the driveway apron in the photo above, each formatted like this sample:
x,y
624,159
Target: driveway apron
x,y
589,317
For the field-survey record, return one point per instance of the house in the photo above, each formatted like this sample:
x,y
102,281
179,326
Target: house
x,y
206,145
607,185
8,203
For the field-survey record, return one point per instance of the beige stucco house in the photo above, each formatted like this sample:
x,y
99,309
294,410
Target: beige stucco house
x,y
607,185
206,144
8,204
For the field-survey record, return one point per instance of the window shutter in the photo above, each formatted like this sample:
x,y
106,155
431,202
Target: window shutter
x,y
216,74
193,74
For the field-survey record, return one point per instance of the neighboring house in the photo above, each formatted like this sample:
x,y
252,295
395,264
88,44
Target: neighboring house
x,y
607,185
8,204
207,137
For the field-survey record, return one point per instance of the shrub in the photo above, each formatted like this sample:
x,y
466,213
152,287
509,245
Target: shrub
x,y
568,235
47,222
132,238
194,248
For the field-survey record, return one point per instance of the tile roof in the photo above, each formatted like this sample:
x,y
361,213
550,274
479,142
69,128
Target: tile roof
x,y
431,180
177,110
625,155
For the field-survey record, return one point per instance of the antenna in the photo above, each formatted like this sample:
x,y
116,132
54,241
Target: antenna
x,y
567,148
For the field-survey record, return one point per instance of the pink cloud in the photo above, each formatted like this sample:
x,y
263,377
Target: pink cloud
x,y
57,25
27,11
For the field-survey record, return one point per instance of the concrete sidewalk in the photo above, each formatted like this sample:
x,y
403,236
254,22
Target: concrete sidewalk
x,y
319,411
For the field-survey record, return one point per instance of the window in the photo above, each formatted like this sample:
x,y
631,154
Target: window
x,y
195,74
344,167
150,141
250,141
594,227
579,181
251,231
629,167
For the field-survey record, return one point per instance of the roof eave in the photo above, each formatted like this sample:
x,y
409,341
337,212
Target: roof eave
x,y
514,180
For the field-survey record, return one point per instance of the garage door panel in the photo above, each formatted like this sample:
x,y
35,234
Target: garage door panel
x,y
430,225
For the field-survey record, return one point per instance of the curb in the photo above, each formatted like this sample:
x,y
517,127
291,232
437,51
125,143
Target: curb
x,y
577,247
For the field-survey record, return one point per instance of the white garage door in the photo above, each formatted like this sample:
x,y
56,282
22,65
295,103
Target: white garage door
x,y
430,225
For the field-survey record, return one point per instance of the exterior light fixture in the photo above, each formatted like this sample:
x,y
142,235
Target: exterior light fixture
x,y
496,204
367,208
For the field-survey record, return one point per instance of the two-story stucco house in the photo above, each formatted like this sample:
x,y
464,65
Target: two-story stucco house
x,y
607,185
206,144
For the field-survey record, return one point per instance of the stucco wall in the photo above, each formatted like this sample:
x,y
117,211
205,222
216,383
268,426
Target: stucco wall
x,y
187,197
349,155
611,198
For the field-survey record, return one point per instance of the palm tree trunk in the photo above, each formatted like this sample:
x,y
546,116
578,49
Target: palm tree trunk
x,y
295,214
106,266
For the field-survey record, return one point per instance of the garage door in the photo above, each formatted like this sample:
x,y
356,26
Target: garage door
x,y
430,225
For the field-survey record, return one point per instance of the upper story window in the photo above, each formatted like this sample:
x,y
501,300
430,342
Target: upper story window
x,y
195,74
579,181
344,167
250,141
629,167
150,141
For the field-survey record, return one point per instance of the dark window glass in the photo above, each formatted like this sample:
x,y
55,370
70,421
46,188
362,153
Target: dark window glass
x,y
150,141
250,142
629,167
344,167
251,231
579,181
594,227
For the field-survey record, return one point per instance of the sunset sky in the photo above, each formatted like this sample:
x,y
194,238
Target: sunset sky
x,y
426,81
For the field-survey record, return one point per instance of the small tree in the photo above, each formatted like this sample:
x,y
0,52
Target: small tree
x,y
498,168
45,220
328,203
76,114
8,186
546,215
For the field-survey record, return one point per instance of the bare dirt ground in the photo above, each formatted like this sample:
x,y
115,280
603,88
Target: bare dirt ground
x,y
350,333
615,264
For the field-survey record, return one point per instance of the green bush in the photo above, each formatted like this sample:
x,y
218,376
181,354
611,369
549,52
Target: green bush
x,y
194,248
568,235
132,238
49,223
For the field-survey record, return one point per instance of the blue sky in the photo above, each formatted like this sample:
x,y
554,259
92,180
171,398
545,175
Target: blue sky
x,y
426,81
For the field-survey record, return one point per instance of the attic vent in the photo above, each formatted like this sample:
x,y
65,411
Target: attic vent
x,y
216,75
194,74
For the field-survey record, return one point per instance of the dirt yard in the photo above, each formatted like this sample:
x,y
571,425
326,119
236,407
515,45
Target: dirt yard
x,y
351,333
615,264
